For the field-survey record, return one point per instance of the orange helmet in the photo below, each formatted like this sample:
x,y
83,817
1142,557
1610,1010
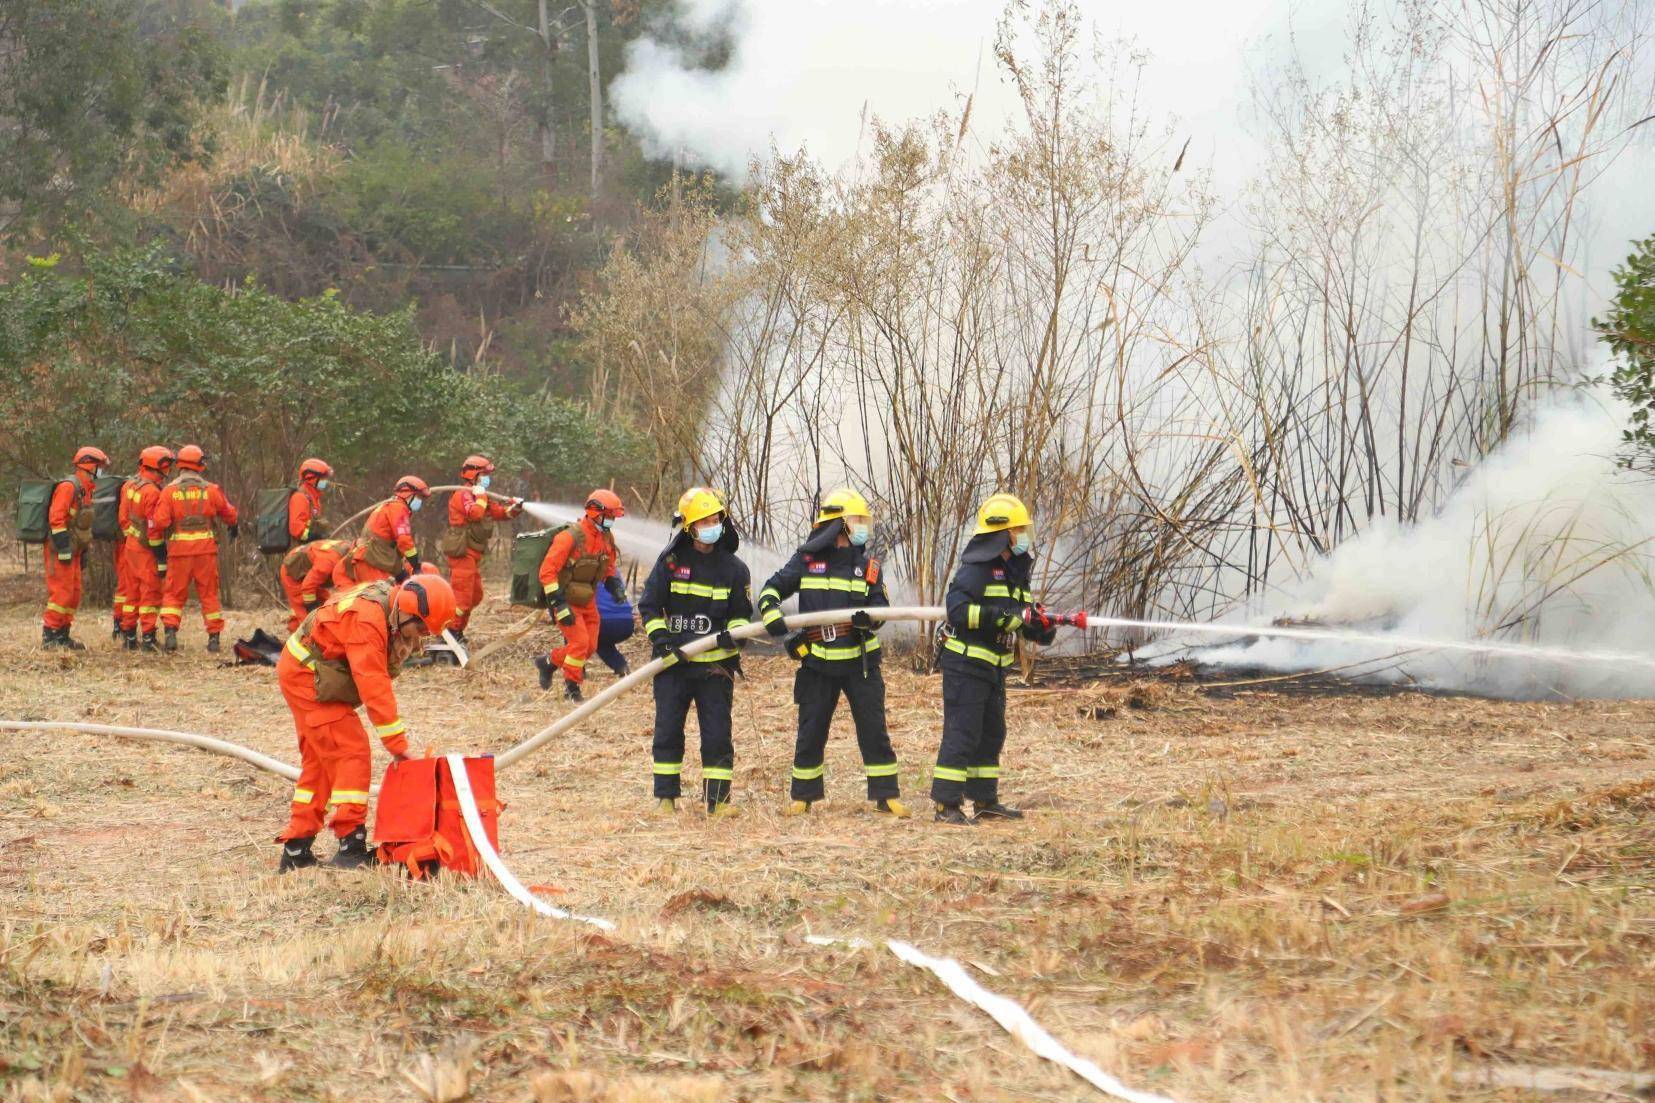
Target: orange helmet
x,y
314,469
477,465
429,598
192,458
91,457
157,457
428,567
606,502
412,484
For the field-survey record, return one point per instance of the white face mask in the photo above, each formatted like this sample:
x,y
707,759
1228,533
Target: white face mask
x,y
100,472
416,504
321,484
482,482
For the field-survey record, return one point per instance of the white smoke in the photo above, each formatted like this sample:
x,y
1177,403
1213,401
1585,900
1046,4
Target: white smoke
x,y
1547,541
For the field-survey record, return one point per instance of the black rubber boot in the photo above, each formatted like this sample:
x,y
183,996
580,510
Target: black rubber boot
x,y
149,641
995,811
296,854
129,639
170,642
951,814
212,644
48,639
65,640
115,632
571,690
545,668
354,852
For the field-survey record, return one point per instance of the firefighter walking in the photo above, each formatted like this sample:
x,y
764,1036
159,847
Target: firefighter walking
x,y
185,515
386,548
472,514
832,570
698,586
143,553
304,505
307,576
346,653
581,558
69,521
988,608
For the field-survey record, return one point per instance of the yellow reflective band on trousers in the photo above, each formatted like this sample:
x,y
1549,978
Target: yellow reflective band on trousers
x,y
808,773
948,773
880,769
669,768
168,610
696,589
56,608
982,771
837,653
982,654
303,796
347,796
717,773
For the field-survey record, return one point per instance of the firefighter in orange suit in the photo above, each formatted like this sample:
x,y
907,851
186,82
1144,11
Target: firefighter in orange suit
x,y
185,515
307,576
346,653
581,558
69,517
144,556
472,512
304,505
386,548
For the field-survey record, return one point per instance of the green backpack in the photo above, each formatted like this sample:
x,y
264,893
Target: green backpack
x,y
270,520
528,549
34,501
106,507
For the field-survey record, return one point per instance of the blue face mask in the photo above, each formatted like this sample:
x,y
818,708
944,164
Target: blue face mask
x,y
482,482
606,523
321,484
1020,546
710,534
416,504
859,534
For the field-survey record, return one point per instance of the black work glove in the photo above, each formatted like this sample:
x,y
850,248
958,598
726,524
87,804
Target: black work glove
x,y
562,613
60,544
727,641
234,530
616,588
662,648
798,647
160,553
861,620
311,605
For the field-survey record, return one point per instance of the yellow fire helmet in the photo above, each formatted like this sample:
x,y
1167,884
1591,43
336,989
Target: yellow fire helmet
x,y
843,502
697,504
1001,512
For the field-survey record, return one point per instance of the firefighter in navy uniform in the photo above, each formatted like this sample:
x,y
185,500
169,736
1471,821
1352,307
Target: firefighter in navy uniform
x,y
988,607
697,587
832,570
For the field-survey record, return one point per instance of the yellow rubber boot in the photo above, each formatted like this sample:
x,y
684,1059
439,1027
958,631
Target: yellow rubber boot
x,y
724,811
891,807
799,808
666,806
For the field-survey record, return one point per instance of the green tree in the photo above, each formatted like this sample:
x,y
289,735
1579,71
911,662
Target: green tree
x,y
1628,328
94,93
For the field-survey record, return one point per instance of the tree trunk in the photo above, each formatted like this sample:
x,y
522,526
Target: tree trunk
x,y
595,78
548,125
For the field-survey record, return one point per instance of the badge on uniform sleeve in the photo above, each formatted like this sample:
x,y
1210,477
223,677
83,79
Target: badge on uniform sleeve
x,y
682,574
816,566
999,574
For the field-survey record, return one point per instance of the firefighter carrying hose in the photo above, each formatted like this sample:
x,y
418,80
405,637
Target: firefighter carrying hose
x,y
988,607
697,587
832,570
345,654
307,576
386,548
580,559
188,507
69,517
143,553
304,505
472,513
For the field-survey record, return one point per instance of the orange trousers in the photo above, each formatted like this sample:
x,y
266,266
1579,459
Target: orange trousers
x,y
182,570
125,589
62,588
465,574
143,587
335,758
580,640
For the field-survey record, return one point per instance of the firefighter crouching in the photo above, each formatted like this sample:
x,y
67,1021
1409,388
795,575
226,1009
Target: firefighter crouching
x,y
988,607
345,654
185,515
472,514
143,553
832,570
580,559
69,517
697,587
307,576
386,548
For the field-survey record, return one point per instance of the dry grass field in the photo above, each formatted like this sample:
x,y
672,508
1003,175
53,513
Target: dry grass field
x,y
1267,897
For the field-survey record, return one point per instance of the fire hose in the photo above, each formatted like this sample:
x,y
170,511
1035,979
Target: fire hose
x,y
363,512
